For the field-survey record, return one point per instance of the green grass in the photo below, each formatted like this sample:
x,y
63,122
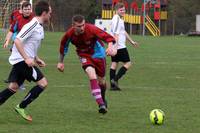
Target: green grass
x,y
165,75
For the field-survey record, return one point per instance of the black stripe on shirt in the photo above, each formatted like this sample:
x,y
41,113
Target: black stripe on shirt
x,y
29,29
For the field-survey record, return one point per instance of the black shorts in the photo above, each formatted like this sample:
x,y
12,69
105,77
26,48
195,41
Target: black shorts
x,y
121,56
22,71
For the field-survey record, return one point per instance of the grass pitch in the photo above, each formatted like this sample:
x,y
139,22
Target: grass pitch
x,y
165,75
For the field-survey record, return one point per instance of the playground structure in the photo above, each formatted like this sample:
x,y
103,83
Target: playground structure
x,y
149,14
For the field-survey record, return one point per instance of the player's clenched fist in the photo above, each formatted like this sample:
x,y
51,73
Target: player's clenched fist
x,y
111,50
60,67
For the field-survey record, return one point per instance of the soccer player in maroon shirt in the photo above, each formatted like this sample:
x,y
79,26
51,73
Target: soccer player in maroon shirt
x,y
87,39
16,12
19,22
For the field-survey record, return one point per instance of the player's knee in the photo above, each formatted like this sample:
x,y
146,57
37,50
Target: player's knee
x,y
114,66
13,86
90,71
43,83
128,65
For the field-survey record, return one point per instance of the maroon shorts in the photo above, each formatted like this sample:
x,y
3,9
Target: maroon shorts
x,y
98,63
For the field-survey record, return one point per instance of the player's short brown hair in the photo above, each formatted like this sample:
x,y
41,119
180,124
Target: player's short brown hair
x,y
119,5
78,18
40,7
26,4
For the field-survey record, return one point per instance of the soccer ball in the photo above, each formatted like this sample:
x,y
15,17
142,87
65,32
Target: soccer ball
x,y
157,116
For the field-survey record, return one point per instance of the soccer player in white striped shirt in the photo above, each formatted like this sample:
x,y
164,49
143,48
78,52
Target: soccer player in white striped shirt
x,y
24,60
120,35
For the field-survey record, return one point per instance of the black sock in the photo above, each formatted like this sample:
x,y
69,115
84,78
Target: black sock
x,y
5,94
103,91
31,96
120,73
112,74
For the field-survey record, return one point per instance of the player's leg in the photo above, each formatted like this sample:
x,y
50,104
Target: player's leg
x,y
113,69
123,57
115,60
100,68
102,85
14,80
21,87
8,92
35,75
34,93
95,88
122,70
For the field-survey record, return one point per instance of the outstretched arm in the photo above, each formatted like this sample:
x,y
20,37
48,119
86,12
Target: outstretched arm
x,y
63,50
104,36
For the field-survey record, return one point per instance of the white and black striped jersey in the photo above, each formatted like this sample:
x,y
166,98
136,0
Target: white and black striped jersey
x,y
31,35
117,27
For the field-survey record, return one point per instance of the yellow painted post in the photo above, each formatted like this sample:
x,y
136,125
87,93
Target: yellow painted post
x,y
163,15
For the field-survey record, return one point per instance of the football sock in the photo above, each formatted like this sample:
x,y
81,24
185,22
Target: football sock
x,y
112,75
103,90
120,73
31,96
96,91
5,94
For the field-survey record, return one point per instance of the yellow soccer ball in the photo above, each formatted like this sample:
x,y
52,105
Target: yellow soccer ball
x,y
157,116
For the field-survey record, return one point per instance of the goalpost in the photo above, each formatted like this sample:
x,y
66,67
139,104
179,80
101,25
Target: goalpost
x,y
6,8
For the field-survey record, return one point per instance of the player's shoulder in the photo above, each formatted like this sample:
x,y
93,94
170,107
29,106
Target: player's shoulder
x,y
19,17
24,21
70,30
115,17
34,21
16,12
90,27
32,24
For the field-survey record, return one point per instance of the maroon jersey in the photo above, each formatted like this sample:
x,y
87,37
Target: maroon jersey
x,y
19,22
87,44
14,16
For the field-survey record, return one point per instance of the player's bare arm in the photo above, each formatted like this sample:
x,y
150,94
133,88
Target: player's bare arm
x,y
111,50
60,65
135,44
7,39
